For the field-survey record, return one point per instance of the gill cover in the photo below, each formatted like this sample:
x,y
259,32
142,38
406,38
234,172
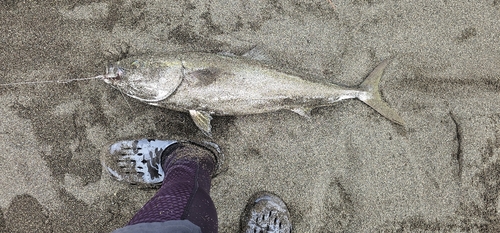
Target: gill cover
x,y
149,79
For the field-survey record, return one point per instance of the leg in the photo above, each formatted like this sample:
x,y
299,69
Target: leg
x,y
185,192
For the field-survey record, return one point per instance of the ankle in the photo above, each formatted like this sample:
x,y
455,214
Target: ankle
x,y
189,151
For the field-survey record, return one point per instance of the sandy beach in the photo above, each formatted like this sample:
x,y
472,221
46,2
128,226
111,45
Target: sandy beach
x,y
347,169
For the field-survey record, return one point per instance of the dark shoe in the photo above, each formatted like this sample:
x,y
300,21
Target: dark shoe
x,y
266,212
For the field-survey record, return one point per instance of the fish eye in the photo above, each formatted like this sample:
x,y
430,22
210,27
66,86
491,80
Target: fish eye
x,y
137,64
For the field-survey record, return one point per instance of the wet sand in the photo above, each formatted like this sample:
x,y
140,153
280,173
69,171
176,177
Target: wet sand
x,y
347,169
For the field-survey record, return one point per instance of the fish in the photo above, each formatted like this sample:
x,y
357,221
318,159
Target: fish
x,y
208,84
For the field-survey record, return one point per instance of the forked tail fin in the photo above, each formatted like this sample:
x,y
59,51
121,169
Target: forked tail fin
x,y
374,99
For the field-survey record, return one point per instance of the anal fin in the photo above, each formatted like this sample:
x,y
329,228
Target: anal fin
x,y
202,120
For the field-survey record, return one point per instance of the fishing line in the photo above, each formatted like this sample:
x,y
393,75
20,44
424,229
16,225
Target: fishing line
x,y
66,81
53,81
126,101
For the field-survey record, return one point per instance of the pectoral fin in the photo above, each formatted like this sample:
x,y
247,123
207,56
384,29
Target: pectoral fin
x,y
305,112
202,120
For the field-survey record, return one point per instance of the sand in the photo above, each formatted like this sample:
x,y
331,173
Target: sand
x,y
347,169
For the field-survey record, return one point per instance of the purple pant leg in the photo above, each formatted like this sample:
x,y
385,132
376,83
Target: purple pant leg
x,y
185,193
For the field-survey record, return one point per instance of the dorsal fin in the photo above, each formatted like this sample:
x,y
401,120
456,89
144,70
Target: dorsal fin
x,y
257,54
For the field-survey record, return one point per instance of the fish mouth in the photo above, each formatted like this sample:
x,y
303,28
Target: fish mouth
x,y
113,74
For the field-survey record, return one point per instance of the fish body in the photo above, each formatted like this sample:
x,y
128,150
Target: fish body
x,y
205,84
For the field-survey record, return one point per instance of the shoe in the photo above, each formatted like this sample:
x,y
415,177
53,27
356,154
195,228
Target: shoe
x,y
138,162
266,213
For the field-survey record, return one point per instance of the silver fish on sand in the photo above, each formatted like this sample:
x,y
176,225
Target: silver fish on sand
x,y
205,84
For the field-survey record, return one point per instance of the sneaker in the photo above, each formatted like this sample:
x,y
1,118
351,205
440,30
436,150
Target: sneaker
x,y
138,162
266,213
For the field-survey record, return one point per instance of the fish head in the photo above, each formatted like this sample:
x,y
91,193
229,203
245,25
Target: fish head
x,y
148,80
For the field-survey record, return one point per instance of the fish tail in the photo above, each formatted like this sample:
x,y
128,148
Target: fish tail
x,y
374,99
